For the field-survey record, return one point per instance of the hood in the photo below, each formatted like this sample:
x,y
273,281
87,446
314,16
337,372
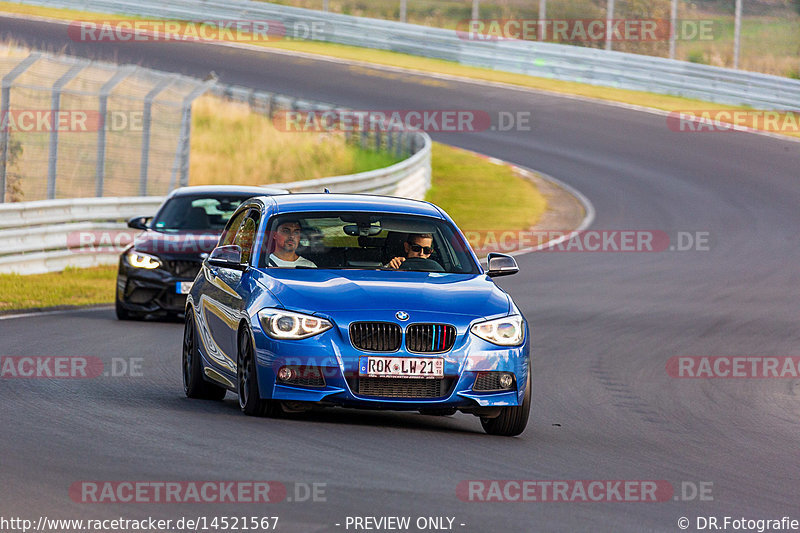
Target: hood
x,y
329,291
184,243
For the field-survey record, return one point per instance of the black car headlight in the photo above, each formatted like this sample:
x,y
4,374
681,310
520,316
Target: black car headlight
x,y
281,324
141,260
506,331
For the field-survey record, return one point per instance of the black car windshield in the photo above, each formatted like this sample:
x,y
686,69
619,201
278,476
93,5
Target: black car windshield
x,y
198,213
367,241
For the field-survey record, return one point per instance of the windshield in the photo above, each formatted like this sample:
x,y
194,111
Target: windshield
x,y
365,241
185,213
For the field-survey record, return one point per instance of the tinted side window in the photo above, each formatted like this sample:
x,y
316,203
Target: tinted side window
x,y
231,227
246,235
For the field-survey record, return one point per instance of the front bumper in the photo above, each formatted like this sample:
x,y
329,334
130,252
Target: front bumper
x,y
154,291
332,355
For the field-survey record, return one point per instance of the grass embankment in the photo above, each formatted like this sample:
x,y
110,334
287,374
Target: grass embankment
x,y
757,33
461,184
476,192
233,146
74,286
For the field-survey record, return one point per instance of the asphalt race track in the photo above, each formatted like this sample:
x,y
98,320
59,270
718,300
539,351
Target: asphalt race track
x,y
604,327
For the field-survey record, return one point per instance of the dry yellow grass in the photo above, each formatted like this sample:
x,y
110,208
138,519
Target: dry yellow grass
x,y
87,286
233,145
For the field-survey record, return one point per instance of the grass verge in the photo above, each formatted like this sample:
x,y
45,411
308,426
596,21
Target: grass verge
x,y
476,192
231,145
461,183
74,286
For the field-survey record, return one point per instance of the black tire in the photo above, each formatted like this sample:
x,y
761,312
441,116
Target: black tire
x,y
250,401
512,420
194,386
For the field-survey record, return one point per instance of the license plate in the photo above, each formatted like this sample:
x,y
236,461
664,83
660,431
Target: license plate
x,y
183,287
402,367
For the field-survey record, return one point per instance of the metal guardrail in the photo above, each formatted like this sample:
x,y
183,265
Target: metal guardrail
x,y
46,236
39,236
35,237
548,60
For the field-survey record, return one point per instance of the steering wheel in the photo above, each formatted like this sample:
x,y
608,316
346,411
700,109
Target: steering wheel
x,y
421,264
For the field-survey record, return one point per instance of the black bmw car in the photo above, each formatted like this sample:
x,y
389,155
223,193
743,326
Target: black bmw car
x,y
157,270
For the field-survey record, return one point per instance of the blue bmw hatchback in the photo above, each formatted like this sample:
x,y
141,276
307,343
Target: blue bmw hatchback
x,y
316,300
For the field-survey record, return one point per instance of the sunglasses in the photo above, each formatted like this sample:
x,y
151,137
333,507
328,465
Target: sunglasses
x,y
427,250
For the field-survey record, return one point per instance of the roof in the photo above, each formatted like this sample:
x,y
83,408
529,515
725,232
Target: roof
x,y
293,203
244,190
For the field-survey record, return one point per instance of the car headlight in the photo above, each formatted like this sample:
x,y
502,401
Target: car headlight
x,y
280,324
506,331
140,260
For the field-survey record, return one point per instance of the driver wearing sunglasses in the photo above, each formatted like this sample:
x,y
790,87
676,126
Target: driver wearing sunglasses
x,y
417,245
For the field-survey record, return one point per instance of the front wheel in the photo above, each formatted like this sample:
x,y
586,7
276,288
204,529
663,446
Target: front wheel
x,y
194,386
250,401
512,420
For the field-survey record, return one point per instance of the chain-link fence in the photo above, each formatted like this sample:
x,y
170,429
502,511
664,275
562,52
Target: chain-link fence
x,y
73,128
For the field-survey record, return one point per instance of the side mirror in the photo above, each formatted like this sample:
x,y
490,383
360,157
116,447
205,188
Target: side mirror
x,y
501,265
138,222
227,257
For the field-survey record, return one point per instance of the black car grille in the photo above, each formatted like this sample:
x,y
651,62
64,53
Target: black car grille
x,y
401,387
141,296
182,268
375,336
430,338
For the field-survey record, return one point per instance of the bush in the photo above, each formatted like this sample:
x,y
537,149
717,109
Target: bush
x,y
697,56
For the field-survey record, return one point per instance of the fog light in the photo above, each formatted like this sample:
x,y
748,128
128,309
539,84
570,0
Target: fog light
x,y
506,380
285,373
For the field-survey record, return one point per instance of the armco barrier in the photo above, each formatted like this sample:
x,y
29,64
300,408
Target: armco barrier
x,y
549,60
34,235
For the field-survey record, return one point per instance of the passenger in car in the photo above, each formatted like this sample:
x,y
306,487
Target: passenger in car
x,y
287,239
